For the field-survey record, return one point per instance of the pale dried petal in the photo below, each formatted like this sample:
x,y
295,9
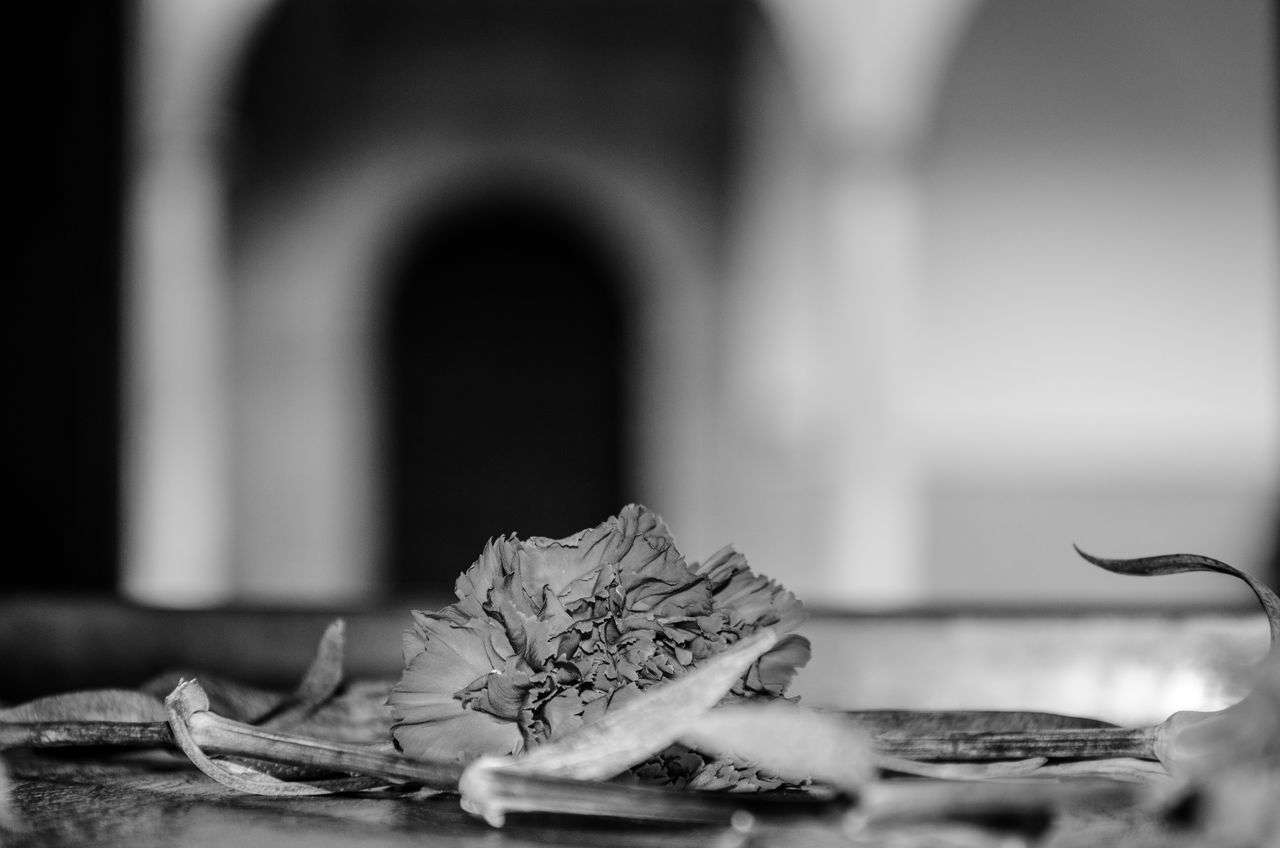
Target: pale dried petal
x,y
783,739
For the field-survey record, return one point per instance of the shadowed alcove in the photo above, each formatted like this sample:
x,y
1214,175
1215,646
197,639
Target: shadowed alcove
x,y
504,385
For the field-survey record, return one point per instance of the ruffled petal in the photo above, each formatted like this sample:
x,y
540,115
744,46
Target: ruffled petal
x,y
549,634
557,564
461,737
451,657
413,711
751,599
774,671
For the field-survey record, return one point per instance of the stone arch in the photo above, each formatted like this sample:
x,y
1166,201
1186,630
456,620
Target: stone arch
x,y
758,422
505,373
323,490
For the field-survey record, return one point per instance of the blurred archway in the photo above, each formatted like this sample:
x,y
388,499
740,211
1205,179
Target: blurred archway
x,y
504,362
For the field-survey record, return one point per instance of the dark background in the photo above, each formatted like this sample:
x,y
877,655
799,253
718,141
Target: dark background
x,y
64,106
501,295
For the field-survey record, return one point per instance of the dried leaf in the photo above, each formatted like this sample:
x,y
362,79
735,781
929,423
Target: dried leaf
x,y
1183,563
91,705
998,770
75,734
623,737
792,742
231,698
1126,769
188,699
648,723
966,721
358,715
319,684
240,701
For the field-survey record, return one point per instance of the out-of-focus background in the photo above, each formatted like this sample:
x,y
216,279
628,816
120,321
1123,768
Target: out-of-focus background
x,y
900,298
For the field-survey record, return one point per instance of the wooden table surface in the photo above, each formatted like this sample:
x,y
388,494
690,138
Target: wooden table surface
x,y
65,801
60,801
1092,663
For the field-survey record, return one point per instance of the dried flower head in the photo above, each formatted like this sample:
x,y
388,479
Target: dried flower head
x,y
546,635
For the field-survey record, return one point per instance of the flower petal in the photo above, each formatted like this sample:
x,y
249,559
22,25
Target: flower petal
x,y
550,634
774,671
451,657
462,737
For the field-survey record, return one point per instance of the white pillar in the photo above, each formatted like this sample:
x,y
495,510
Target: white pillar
x,y
867,71
176,534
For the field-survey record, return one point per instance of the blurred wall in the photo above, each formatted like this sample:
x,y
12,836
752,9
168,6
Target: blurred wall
x,y
1100,311
917,295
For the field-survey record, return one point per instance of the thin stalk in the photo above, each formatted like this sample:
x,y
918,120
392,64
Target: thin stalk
x,y
216,734
71,734
1076,744
597,751
948,721
498,785
953,746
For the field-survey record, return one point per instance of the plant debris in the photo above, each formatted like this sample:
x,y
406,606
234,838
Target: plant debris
x,y
547,636
564,663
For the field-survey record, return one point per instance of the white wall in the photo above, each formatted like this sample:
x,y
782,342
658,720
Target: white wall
x,y
1056,322
1101,301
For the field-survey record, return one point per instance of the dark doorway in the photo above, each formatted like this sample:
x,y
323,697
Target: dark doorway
x,y
504,405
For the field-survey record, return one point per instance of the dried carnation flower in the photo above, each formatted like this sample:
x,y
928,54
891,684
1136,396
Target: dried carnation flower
x,y
546,635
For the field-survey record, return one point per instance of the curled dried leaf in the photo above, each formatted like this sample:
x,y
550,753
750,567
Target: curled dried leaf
x,y
189,700
122,705
649,723
1183,563
240,701
203,736
792,742
998,769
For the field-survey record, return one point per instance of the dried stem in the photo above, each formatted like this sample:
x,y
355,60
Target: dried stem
x,y
71,734
199,732
966,746
224,736
498,789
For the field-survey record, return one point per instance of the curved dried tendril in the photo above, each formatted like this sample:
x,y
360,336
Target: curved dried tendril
x,y
189,700
1182,563
198,732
